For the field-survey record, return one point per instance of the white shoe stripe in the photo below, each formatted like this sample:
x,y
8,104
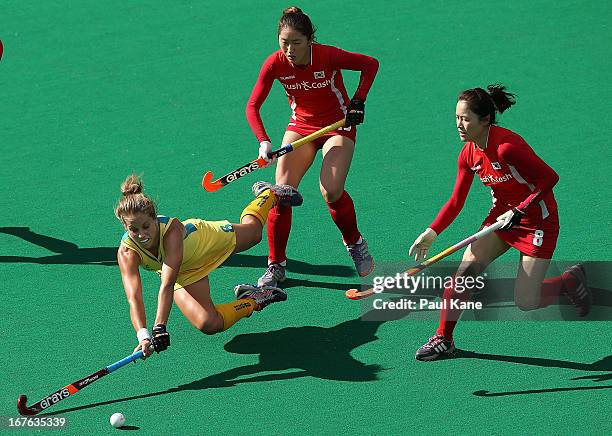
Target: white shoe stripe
x,y
440,348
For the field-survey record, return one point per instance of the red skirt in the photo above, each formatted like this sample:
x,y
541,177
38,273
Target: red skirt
x,y
535,240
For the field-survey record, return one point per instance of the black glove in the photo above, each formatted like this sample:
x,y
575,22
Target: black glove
x,y
161,338
356,111
512,219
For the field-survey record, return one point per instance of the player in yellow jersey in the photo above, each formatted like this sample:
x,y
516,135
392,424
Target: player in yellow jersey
x,y
184,254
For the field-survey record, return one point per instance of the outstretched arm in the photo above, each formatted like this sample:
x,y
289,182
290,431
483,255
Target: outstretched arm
x,y
455,203
173,257
448,213
258,96
129,261
173,248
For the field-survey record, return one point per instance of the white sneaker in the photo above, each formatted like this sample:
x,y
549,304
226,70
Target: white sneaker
x,y
273,275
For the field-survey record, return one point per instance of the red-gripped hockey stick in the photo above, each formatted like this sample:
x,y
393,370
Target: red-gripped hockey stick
x,y
355,294
212,186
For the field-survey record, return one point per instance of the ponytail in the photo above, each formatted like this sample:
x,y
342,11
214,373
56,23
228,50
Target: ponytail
x,y
483,103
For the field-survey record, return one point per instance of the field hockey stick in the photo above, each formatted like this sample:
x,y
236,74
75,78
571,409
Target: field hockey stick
x,y
355,294
73,387
212,186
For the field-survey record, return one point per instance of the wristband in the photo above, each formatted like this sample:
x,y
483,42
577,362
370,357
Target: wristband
x,y
143,334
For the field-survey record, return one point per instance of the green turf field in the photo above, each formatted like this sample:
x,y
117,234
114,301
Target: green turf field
x,y
92,91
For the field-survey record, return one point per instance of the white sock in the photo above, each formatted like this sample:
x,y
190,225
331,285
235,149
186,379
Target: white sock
x,y
283,263
359,241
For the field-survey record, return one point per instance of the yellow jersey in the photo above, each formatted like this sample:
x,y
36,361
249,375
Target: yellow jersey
x,y
206,246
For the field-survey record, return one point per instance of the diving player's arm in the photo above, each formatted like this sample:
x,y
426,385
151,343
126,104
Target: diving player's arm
x,y
173,249
173,257
129,261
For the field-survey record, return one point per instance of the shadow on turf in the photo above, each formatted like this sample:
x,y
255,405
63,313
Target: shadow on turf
x,y
602,365
320,352
69,253
297,266
285,354
292,283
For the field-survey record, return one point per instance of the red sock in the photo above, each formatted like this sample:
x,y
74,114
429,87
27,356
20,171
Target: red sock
x,y
343,213
551,289
279,226
448,315
554,287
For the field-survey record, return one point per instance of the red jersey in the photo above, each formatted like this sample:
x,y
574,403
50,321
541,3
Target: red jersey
x,y
316,92
516,175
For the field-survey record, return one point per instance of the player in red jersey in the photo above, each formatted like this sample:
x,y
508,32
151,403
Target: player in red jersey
x,y
312,78
521,184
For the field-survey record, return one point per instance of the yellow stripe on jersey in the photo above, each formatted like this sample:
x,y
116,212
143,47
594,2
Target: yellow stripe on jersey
x,y
206,246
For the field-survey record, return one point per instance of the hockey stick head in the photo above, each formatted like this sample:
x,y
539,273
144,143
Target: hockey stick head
x,y
355,294
22,408
209,185
212,186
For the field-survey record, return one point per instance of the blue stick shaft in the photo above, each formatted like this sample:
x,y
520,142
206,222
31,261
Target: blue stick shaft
x,y
129,359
